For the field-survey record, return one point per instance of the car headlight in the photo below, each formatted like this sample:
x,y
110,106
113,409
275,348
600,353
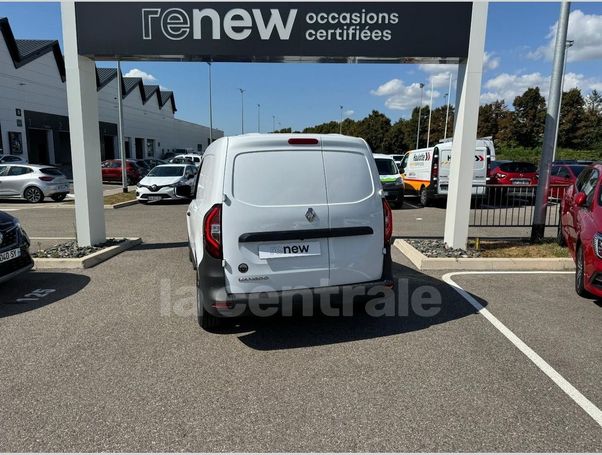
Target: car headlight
x,y
180,183
597,241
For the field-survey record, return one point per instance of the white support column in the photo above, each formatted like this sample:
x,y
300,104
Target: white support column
x,y
465,132
82,102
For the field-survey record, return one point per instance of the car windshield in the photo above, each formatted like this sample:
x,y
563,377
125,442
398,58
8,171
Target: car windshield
x,y
518,167
167,171
386,166
577,169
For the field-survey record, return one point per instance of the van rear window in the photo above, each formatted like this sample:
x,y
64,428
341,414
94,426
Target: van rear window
x,y
348,177
386,166
277,178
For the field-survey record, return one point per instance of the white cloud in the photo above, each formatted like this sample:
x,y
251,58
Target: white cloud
x,y
161,87
507,86
146,77
349,113
586,32
491,61
403,97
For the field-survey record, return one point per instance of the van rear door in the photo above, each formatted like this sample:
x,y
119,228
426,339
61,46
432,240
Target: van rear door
x,y
356,212
274,216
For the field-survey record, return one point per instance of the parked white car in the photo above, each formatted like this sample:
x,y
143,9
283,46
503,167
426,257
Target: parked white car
x,y
12,159
278,212
187,159
161,182
32,182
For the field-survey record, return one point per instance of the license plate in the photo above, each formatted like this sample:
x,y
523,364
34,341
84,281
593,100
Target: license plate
x,y
286,250
154,198
9,255
520,182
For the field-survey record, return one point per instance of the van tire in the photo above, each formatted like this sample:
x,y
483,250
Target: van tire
x,y
398,204
206,320
425,199
59,197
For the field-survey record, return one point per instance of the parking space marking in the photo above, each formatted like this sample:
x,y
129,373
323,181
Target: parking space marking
x,y
589,407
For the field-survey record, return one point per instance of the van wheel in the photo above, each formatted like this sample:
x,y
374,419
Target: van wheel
x,y
206,320
425,199
580,274
559,237
33,195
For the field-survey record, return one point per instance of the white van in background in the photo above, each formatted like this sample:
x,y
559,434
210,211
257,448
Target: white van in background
x,y
426,171
279,213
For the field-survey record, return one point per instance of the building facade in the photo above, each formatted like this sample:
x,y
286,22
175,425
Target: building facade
x,y
34,119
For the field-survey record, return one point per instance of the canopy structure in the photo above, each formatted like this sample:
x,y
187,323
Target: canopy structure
x,y
323,32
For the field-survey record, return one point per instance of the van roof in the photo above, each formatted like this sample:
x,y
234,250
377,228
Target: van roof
x,y
274,139
381,155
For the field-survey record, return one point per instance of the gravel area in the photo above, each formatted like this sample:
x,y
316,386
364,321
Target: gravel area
x,y
437,249
72,250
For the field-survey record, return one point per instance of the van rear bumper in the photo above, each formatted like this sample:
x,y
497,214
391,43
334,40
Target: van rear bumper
x,y
217,301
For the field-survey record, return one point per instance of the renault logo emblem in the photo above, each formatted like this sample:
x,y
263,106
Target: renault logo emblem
x,y
310,215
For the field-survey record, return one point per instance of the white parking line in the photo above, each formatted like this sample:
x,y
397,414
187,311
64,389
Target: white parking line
x,y
589,407
411,205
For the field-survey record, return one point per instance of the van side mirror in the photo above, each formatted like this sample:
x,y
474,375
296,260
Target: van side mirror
x,y
580,199
184,191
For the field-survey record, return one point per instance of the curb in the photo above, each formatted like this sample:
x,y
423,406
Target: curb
x,y
121,204
482,264
87,261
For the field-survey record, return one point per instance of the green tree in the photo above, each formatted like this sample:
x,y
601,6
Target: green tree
x,y
493,118
396,140
572,116
374,130
529,117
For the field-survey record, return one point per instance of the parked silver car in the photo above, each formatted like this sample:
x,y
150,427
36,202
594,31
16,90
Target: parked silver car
x,y
12,159
32,182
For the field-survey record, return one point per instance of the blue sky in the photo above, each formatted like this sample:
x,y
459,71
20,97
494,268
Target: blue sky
x,y
299,95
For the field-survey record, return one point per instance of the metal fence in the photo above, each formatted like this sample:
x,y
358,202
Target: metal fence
x,y
512,206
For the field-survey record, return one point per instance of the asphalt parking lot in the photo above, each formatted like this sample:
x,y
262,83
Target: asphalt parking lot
x,y
112,359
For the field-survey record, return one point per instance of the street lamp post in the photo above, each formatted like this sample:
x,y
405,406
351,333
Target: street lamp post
x,y
341,122
273,123
428,134
258,118
419,115
569,43
210,107
242,110
448,95
124,181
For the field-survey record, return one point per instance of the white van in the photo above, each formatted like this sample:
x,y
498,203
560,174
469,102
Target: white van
x,y
280,213
425,171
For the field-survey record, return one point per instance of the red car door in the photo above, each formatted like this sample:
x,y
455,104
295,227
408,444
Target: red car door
x,y
570,210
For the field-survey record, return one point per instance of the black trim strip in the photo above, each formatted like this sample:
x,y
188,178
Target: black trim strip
x,y
305,234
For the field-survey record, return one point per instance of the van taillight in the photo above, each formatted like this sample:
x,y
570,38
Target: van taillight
x,y
302,141
388,214
212,231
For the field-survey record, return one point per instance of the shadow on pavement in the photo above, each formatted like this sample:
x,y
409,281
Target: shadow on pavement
x,y
279,332
159,246
34,290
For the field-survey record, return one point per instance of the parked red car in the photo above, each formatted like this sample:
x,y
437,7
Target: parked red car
x,y
513,173
111,171
580,228
562,176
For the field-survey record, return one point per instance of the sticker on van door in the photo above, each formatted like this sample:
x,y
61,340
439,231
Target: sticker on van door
x,y
285,250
